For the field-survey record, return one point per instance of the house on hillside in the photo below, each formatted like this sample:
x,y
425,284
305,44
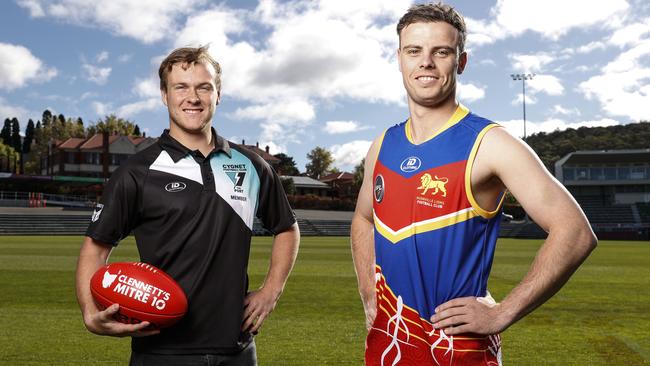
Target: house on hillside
x,y
340,184
264,154
97,156
308,185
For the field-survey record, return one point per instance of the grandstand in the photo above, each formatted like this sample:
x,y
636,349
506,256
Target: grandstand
x,y
613,189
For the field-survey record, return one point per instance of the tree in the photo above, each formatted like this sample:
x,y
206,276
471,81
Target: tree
x,y
136,131
358,175
286,166
29,136
320,162
16,140
8,158
47,117
288,186
112,124
5,134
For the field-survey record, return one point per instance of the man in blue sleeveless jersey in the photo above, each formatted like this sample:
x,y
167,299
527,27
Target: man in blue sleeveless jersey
x,y
190,199
427,217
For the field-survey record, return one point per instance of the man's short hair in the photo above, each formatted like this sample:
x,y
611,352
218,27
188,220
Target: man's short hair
x,y
426,13
188,56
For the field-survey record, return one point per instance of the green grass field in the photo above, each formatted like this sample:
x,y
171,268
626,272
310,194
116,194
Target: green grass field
x,y
601,317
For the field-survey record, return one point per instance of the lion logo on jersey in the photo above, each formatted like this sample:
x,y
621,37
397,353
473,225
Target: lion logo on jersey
x,y
437,184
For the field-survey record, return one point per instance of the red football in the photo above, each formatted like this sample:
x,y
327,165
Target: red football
x,y
144,292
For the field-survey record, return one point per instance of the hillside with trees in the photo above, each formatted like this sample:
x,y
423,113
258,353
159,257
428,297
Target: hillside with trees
x,y
50,129
554,145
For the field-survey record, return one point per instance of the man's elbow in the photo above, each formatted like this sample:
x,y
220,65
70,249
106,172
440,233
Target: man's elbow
x,y
587,240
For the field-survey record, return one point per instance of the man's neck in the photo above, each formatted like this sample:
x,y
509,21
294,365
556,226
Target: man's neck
x,y
426,121
194,141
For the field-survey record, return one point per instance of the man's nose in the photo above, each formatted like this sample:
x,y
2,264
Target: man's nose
x,y
426,62
193,96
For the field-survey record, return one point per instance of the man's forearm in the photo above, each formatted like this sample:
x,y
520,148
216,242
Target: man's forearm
x,y
363,255
283,257
91,257
556,261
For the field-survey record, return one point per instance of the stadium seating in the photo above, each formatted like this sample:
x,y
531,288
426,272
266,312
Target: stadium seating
x,y
644,211
44,224
600,211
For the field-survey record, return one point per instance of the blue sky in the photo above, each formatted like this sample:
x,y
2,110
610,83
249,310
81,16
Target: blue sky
x,y
300,74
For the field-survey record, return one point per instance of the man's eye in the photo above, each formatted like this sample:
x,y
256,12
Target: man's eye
x,y
442,53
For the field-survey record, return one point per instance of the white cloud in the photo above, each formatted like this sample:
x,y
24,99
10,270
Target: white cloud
x,y
511,18
516,127
558,109
623,86
341,127
147,20
470,92
631,33
124,58
354,57
297,110
591,46
281,121
101,57
147,88
488,62
543,17
101,109
530,63
547,84
95,74
273,147
347,155
213,27
34,7
18,66
131,109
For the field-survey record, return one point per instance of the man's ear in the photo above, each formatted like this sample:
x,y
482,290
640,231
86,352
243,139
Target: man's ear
x,y
163,96
218,97
399,64
462,62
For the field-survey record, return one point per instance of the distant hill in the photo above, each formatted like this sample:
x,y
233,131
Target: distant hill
x,y
552,146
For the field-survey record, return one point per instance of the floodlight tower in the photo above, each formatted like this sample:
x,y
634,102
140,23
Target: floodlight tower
x,y
523,78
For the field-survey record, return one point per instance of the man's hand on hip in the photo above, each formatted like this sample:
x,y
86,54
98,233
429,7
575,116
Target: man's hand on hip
x,y
480,315
257,307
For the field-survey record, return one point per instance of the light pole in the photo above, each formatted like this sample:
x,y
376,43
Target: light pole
x,y
523,78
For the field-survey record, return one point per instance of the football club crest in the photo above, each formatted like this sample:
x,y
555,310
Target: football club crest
x,y
434,184
410,164
237,179
379,188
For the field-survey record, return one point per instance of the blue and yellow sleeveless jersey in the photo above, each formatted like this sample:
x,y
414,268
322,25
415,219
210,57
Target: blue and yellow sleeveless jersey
x,y
433,242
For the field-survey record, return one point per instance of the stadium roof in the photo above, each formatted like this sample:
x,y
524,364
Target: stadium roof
x,y
605,157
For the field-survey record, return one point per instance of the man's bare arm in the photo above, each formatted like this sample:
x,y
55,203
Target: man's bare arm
x,y
92,256
260,303
361,238
569,242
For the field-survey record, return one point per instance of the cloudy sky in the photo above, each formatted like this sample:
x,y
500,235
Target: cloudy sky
x,y
300,74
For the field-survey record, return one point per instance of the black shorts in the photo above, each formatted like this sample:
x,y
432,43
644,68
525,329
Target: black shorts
x,y
247,357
